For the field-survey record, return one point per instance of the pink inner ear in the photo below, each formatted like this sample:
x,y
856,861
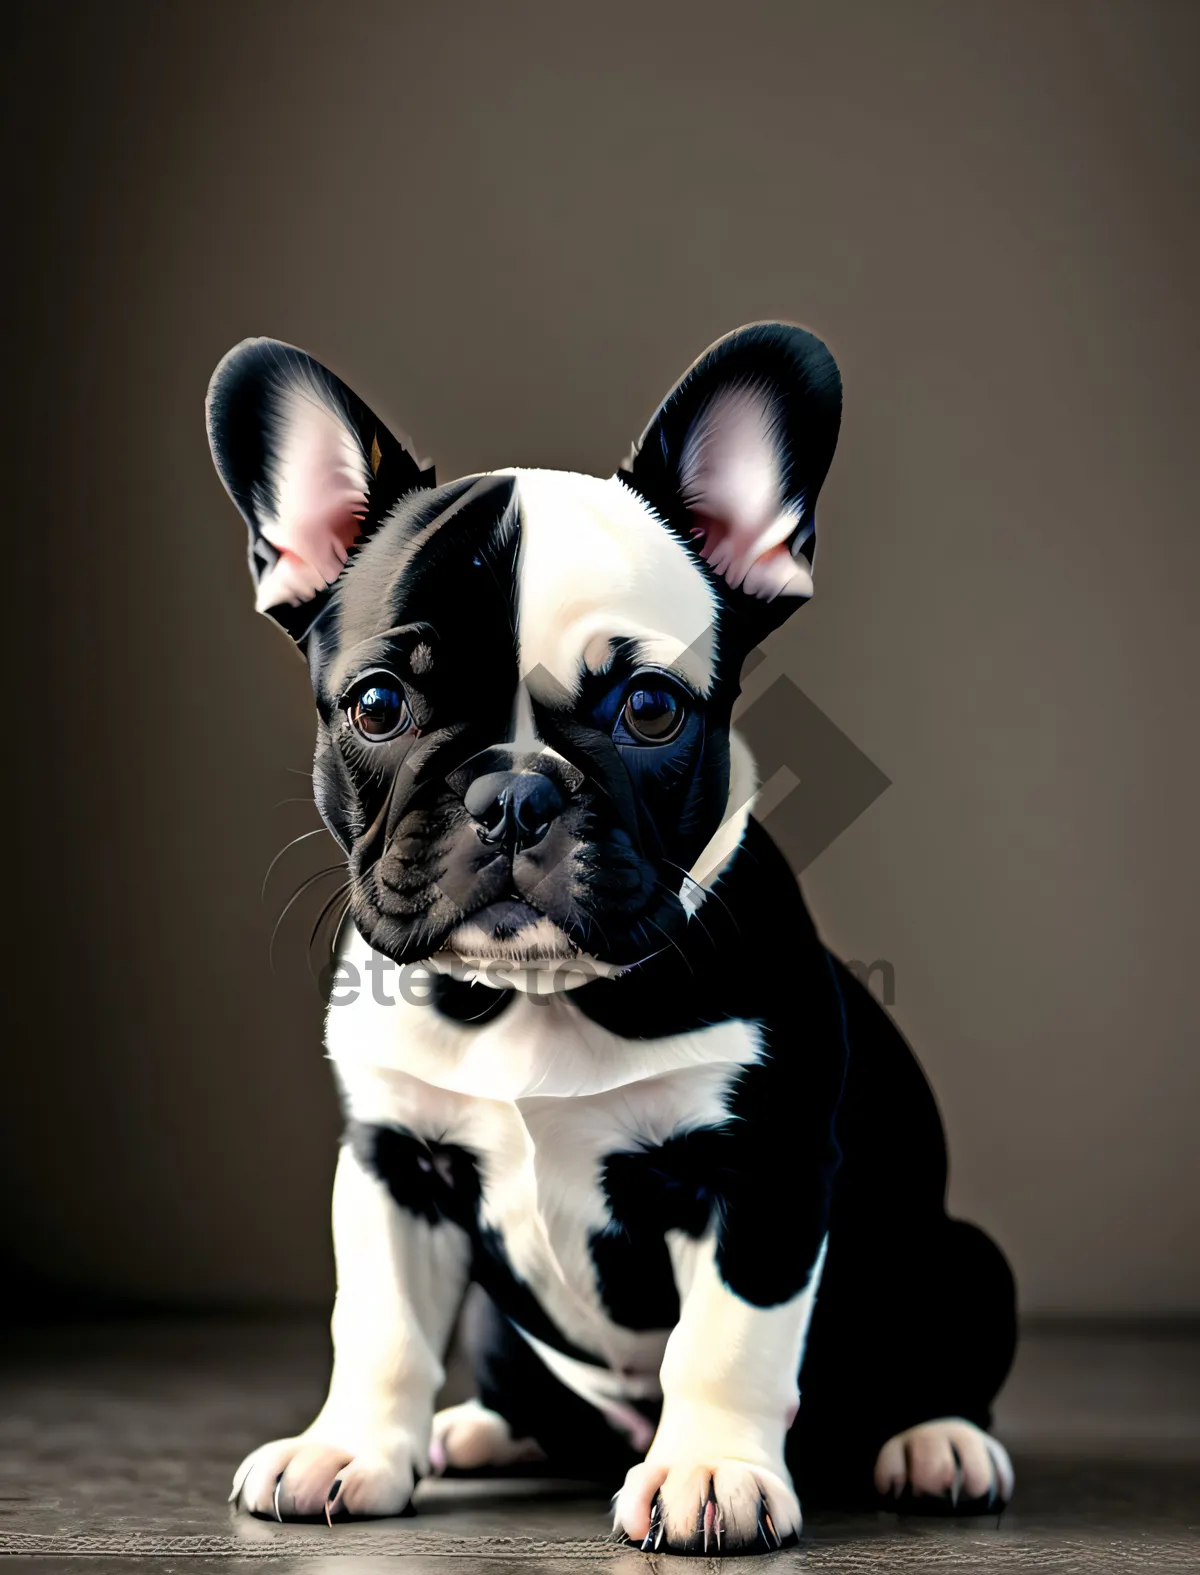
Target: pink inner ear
x,y
732,482
759,563
320,480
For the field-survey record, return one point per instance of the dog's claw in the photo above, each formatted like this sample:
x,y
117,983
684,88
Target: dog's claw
x,y
275,1500
771,1527
765,1524
651,1541
704,1518
329,1499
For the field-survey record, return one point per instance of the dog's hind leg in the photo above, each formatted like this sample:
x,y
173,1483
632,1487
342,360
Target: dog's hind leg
x,y
470,1437
915,1324
947,1462
910,1344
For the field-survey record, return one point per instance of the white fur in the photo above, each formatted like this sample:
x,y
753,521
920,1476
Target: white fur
x,y
400,1284
723,1496
729,1375
597,564
543,1047
542,1095
729,1384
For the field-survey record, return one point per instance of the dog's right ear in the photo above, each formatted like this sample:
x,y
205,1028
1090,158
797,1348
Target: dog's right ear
x,y
310,468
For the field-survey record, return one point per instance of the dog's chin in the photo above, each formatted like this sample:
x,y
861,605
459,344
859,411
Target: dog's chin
x,y
511,946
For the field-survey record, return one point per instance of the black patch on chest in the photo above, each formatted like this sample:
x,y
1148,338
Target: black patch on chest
x,y
440,1182
649,1192
433,1181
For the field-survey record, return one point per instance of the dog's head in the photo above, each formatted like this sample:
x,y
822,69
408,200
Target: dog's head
x,y
524,679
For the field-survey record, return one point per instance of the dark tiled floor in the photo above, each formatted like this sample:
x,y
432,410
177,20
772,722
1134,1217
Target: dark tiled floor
x,y
117,1443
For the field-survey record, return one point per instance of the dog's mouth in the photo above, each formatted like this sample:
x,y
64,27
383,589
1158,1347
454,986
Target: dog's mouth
x,y
510,930
504,920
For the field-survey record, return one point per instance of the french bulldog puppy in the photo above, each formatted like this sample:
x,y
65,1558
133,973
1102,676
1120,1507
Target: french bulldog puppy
x,y
599,1062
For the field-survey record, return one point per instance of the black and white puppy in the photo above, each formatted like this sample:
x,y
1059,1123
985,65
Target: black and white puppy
x,y
618,1082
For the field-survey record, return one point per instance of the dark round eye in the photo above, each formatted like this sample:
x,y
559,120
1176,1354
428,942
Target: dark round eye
x,y
653,716
377,709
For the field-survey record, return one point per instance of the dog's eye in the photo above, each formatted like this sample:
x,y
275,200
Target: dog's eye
x,y
377,709
653,716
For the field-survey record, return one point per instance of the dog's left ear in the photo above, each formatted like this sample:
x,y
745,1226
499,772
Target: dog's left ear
x,y
312,470
733,461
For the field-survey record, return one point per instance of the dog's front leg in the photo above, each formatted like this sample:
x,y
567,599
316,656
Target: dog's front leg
x,y
714,1480
401,1276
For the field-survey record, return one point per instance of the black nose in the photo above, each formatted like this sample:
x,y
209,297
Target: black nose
x,y
513,807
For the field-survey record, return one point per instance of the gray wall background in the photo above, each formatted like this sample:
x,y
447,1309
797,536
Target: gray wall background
x,y
510,227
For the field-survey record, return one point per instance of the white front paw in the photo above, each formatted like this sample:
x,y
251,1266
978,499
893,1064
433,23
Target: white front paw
x,y
321,1475
716,1506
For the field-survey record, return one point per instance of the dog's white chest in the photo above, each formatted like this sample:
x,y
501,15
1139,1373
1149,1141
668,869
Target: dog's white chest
x,y
542,1097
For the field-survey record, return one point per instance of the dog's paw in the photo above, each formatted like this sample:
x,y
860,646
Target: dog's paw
x,y
945,1465
720,1507
317,1477
469,1437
